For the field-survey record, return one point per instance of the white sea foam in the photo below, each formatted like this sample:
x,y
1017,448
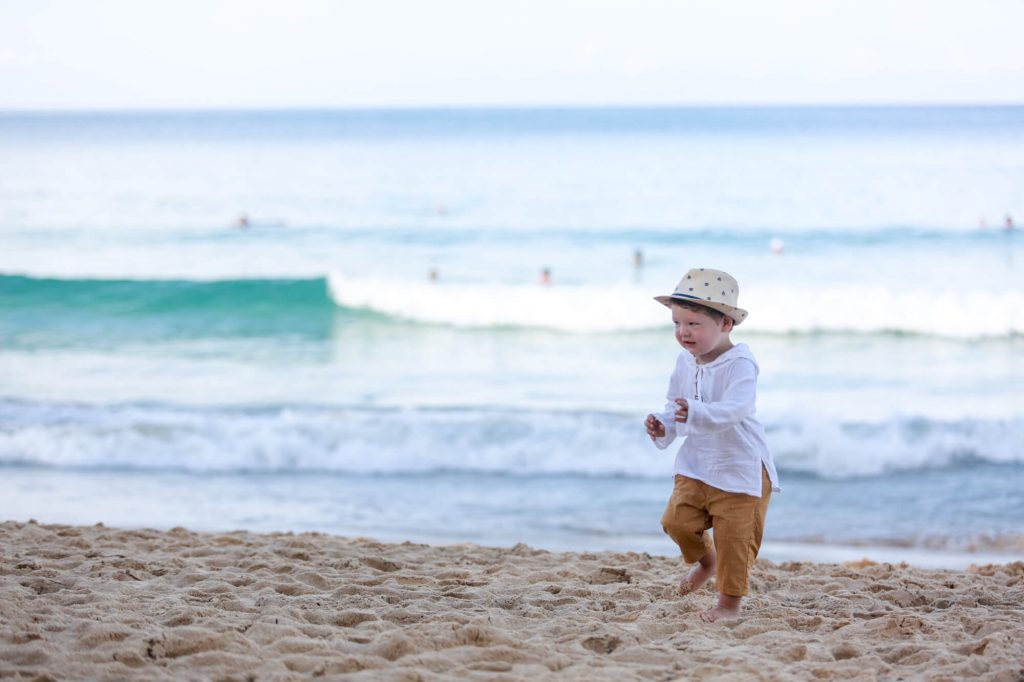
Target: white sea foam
x,y
564,308
628,307
833,449
353,440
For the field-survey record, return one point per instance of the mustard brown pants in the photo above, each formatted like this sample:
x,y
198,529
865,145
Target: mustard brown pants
x,y
737,520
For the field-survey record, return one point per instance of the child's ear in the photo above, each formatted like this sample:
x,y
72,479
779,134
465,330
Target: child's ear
x,y
727,323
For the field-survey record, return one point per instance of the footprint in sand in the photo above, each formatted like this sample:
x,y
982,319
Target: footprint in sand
x,y
381,564
602,645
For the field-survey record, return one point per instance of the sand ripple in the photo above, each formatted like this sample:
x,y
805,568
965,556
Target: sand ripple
x,y
99,603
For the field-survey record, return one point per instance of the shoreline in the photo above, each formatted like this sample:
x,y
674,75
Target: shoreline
x,y
570,513
92,602
817,551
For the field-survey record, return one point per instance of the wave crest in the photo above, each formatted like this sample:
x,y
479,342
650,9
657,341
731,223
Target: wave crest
x,y
567,308
304,439
628,307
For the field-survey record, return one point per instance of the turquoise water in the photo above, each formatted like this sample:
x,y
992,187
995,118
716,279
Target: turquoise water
x,y
147,342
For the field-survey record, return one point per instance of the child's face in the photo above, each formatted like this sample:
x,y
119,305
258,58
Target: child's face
x,y
700,333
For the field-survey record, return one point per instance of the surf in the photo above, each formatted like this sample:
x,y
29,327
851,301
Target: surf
x,y
627,307
309,438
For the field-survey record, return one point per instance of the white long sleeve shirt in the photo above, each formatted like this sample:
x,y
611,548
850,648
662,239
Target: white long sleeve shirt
x,y
725,444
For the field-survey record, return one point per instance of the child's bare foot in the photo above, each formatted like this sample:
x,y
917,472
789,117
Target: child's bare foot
x,y
693,582
700,574
728,607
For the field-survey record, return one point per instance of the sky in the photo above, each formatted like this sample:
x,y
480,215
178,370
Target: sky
x,y
202,54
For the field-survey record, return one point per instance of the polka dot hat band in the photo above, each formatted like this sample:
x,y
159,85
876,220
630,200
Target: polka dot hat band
x,y
711,288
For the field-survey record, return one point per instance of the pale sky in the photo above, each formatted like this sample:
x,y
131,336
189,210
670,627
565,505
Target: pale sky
x,y
187,54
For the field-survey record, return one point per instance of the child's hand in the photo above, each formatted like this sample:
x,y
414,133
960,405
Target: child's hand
x,y
655,429
683,413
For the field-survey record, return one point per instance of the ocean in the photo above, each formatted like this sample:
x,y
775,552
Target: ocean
x,y
334,320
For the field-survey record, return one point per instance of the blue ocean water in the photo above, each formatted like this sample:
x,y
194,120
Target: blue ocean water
x,y
226,319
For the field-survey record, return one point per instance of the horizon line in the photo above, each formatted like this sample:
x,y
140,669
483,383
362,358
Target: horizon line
x,y
504,107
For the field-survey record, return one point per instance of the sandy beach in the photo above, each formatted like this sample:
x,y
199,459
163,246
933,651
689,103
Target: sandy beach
x,y
100,603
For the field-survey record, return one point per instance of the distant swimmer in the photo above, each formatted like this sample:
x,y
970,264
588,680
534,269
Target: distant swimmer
x,y
638,259
244,222
1009,222
433,275
777,246
545,276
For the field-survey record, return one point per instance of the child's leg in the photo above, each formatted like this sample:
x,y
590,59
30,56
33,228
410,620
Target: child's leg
x,y
739,525
686,521
703,571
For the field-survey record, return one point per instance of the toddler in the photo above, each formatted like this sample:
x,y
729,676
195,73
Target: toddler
x,y
724,472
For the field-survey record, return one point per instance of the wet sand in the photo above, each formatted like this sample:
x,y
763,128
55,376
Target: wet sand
x,y
99,603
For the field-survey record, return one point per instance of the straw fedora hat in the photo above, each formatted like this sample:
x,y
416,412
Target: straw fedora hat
x,y
710,288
